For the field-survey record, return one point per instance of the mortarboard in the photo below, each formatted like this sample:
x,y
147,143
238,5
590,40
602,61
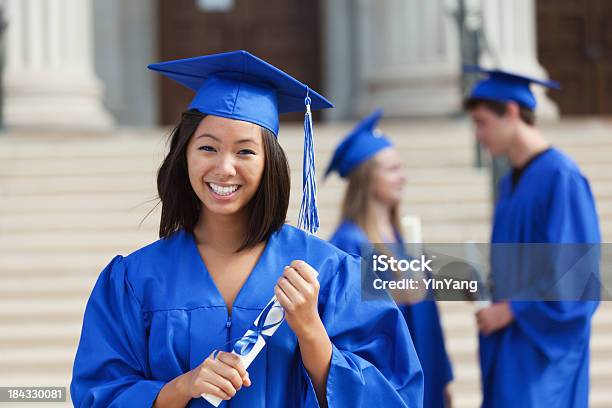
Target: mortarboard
x,y
363,142
238,85
503,86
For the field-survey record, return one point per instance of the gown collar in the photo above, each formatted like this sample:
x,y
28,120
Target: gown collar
x,y
517,172
258,288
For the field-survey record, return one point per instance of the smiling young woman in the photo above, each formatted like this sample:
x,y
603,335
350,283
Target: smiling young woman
x,y
183,192
161,325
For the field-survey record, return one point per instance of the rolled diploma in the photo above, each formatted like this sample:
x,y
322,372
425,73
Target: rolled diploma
x,y
257,347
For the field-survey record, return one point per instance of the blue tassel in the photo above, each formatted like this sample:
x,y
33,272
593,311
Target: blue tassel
x,y
308,218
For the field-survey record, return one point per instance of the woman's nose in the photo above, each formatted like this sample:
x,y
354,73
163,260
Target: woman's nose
x,y
225,166
402,180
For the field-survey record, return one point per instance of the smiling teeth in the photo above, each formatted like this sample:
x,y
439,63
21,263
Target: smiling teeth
x,y
221,190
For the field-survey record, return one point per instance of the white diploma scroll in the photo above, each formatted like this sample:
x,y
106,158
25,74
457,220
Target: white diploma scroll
x,y
254,340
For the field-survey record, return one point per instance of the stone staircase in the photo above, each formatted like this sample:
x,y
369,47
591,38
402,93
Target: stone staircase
x,y
69,204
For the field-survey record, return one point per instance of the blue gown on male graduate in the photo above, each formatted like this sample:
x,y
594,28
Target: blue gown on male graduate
x,y
157,314
542,358
423,323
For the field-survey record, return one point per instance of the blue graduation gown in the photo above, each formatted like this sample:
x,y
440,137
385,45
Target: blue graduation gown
x,y
422,318
157,314
542,358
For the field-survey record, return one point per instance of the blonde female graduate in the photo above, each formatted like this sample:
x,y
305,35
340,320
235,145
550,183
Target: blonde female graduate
x,y
370,222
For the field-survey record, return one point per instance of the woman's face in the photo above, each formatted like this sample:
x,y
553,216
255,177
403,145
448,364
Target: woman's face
x,y
389,179
225,159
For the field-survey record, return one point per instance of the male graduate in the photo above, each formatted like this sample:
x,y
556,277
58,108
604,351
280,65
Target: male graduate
x,y
532,353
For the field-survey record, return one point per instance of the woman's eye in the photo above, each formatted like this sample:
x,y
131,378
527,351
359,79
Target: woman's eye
x,y
207,148
246,151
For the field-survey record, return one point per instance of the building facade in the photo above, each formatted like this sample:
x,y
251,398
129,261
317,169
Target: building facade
x,y
82,63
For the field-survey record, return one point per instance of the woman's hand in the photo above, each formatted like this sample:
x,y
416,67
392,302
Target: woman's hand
x,y
298,293
222,377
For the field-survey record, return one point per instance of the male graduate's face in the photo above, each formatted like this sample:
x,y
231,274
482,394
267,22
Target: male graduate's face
x,y
225,160
389,178
494,131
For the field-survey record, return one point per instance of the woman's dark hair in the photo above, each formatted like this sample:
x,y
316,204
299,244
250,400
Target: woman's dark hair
x,y
181,206
500,108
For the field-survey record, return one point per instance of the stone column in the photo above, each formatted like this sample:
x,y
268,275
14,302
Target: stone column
x,y
509,28
339,57
409,58
125,41
49,81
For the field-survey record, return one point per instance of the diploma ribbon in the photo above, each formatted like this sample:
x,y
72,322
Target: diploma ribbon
x,y
266,321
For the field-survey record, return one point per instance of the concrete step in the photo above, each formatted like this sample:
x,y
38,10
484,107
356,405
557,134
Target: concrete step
x,y
118,145
96,201
114,165
34,311
114,220
56,242
49,287
78,184
597,171
415,177
593,154
21,335
45,357
468,373
55,264
450,231
602,189
38,378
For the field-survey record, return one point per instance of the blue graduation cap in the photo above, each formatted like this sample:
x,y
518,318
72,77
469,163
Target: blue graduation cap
x,y
363,142
503,86
238,85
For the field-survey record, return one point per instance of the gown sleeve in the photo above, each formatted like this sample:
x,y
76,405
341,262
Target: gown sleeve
x,y
572,216
110,367
557,326
373,361
347,240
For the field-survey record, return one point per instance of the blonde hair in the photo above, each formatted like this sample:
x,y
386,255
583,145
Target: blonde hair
x,y
356,206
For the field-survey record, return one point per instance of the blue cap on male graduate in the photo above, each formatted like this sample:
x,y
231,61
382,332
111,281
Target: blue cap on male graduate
x,y
503,86
363,142
238,85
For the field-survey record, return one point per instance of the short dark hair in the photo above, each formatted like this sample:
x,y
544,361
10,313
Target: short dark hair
x,y
181,206
500,108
